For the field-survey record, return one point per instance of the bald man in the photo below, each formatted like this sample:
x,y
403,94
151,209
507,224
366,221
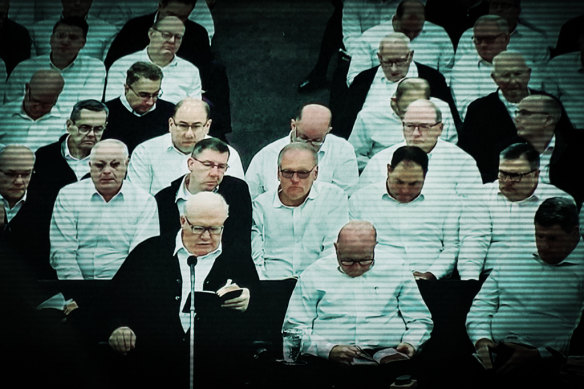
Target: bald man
x,y
336,157
34,120
336,326
151,292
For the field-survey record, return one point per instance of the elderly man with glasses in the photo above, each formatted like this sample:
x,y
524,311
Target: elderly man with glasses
x,y
296,222
336,156
157,162
356,301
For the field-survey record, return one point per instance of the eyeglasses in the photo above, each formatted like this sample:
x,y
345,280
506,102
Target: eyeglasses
x,y
146,95
395,62
505,77
86,129
361,262
525,112
486,39
314,142
183,126
302,174
421,126
210,165
513,177
169,35
13,175
200,230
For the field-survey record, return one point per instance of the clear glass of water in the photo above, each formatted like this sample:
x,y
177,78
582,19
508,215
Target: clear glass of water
x,y
292,343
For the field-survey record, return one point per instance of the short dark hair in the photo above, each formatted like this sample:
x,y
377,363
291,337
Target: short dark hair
x,y
73,21
164,3
91,105
143,70
412,154
210,144
521,150
560,211
400,10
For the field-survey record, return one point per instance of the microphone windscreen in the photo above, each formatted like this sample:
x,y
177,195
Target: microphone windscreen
x,y
192,260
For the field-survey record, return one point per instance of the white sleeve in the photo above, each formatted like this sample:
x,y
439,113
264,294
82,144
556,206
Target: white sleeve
x,y
63,238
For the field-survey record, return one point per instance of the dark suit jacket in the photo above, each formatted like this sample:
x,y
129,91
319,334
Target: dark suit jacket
x,y
566,162
343,123
237,231
146,296
15,44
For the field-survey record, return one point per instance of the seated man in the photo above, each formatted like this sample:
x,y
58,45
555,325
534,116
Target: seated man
x,y
421,226
181,78
207,166
504,211
336,157
296,222
378,127
139,114
84,76
159,161
34,120
522,320
150,295
450,168
97,222
361,299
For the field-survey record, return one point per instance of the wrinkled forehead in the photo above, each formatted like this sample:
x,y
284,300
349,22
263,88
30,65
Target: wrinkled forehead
x,y
108,154
420,114
206,215
393,49
297,159
172,25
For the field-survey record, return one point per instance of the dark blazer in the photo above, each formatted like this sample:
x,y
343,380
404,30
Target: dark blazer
x,y
566,161
343,123
237,231
15,44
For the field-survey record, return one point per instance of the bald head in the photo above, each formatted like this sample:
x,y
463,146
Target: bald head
x,y
395,56
206,203
356,242
42,92
312,124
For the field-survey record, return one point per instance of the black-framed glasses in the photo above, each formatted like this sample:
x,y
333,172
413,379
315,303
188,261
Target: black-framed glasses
x,y
200,230
395,62
526,113
302,174
210,165
166,35
86,129
145,95
513,177
486,39
421,126
361,262
13,175
184,126
314,142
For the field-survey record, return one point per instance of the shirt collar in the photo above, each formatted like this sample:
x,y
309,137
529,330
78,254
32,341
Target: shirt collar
x,y
95,193
168,145
183,192
313,194
125,103
66,153
179,246
535,196
576,257
381,189
412,72
21,201
172,63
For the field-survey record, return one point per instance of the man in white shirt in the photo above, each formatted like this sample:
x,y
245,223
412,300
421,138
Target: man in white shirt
x,y
181,78
450,168
84,76
296,222
377,128
422,227
431,44
359,298
97,222
502,216
523,318
471,75
16,167
158,161
336,156
34,121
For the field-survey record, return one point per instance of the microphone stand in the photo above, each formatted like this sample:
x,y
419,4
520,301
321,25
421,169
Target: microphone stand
x,y
192,261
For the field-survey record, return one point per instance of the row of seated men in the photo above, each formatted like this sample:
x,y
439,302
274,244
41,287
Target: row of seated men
x,y
76,47
99,228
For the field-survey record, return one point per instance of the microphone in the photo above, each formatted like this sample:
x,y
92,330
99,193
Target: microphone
x,y
192,261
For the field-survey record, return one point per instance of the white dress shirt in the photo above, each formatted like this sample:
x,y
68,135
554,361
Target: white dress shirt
x,y
424,229
79,166
565,80
432,47
202,269
337,164
527,301
450,169
12,212
382,90
84,79
381,308
156,163
544,161
16,127
496,223
285,240
91,238
99,36
377,128
180,77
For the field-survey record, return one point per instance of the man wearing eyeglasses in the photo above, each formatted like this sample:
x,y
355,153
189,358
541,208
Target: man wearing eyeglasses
x,y
181,78
97,222
336,157
140,113
505,211
360,297
296,222
157,162
150,296
33,120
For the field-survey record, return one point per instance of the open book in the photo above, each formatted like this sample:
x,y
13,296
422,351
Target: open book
x,y
206,300
380,357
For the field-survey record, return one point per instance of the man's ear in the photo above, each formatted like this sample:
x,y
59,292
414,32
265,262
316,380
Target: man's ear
x,y
316,172
389,168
